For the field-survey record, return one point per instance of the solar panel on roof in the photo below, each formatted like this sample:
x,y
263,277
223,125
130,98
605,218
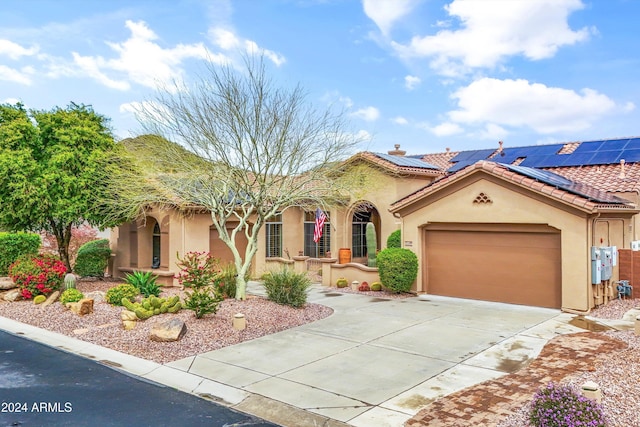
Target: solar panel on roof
x,y
630,156
633,144
460,165
473,155
577,159
558,181
545,149
406,161
604,157
588,146
614,145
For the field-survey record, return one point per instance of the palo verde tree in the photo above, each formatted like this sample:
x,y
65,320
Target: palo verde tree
x,y
54,166
242,147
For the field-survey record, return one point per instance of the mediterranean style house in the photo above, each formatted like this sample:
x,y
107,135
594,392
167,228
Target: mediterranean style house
x,y
508,224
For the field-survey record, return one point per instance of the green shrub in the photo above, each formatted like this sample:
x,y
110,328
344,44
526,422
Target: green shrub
x,y
398,269
37,275
15,245
203,300
394,240
145,282
93,258
226,280
560,406
287,287
71,295
114,295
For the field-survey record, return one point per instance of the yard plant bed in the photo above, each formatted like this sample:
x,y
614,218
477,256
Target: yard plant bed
x,y
104,327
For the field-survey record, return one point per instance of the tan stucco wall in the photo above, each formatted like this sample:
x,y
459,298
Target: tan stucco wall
x,y
509,205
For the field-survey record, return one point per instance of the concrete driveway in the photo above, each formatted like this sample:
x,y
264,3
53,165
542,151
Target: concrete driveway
x,y
376,362
373,363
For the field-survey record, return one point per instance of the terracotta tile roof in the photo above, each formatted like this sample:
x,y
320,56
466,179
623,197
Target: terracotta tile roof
x,y
579,195
604,177
442,160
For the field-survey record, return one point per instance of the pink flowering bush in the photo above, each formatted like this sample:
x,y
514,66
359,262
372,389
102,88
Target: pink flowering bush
x,y
201,272
37,275
197,269
563,406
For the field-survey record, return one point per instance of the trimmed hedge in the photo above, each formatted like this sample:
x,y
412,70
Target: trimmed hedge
x,y
394,240
93,258
15,245
398,269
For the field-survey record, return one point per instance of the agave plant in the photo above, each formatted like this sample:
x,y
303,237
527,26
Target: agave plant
x,y
145,281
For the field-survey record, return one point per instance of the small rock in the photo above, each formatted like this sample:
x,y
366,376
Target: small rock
x,y
128,315
13,295
6,283
168,331
630,316
129,324
96,296
50,299
82,307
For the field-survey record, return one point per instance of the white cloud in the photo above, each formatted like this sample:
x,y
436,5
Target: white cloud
x,y
14,50
386,12
494,132
140,60
400,121
445,129
10,101
410,82
22,76
492,30
519,103
228,41
369,114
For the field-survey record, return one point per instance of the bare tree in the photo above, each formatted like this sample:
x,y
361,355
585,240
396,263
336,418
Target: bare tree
x,y
242,148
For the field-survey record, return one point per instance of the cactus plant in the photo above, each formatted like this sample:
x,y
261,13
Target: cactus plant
x,y
152,306
342,282
376,286
372,244
70,281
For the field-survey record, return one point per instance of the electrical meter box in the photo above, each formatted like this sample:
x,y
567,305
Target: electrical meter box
x,y
606,258
614,255
635,245
596,266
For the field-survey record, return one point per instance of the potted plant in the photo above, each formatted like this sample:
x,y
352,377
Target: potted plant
x,y
342,282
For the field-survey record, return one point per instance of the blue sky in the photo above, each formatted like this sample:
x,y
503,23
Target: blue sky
x,y
426,74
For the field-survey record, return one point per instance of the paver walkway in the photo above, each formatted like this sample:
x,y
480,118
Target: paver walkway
x,y
490,402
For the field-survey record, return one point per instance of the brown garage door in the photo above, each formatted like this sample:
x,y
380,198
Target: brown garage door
x,y
518,265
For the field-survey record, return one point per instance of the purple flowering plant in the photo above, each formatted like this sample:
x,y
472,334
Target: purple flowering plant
x,y
563,406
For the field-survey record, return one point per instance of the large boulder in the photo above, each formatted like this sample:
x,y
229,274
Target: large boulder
x,y
168,331
6,283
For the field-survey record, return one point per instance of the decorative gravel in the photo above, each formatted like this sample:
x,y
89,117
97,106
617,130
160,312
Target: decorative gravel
x,y
213,331
617,374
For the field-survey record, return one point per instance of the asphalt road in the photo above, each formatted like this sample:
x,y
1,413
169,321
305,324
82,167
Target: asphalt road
x,y
43,386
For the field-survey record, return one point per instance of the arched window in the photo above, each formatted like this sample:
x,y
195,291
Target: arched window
x,y
156,246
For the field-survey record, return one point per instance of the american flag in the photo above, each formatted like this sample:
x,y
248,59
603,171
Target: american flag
x,y
320,219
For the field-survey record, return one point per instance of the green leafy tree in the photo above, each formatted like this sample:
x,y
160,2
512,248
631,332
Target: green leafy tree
x,y
241,147
55,168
